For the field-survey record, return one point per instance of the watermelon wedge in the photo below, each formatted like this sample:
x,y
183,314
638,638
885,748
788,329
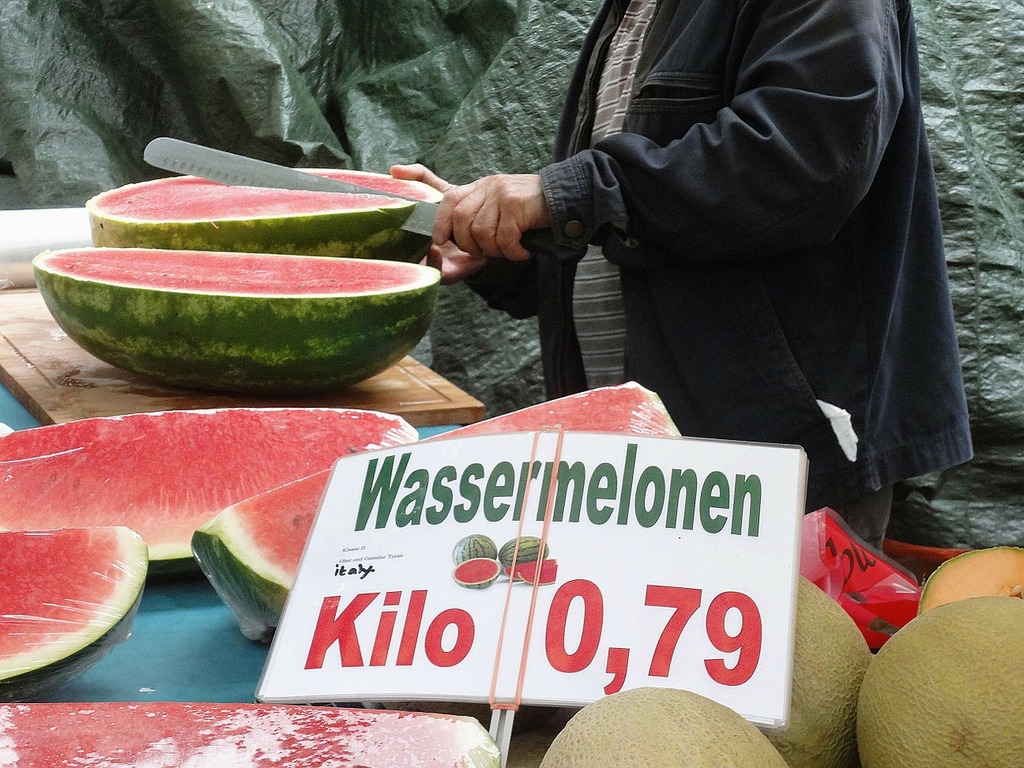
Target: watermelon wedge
x,y
194,735
67,597
543,572
250,550
255,323
164,474
629,409
190,213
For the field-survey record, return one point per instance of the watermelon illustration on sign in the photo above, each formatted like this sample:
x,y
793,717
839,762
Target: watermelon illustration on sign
x,y
524,549
474,545
541,572
477,572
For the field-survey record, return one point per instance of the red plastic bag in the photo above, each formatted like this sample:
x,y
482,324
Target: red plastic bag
x,y
880,595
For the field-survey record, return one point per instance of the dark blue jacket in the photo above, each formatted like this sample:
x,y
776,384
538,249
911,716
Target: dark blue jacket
x,y
772,205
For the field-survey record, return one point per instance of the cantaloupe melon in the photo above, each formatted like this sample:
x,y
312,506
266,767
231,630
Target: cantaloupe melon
x,y
659,728
947,690
994,571
829,662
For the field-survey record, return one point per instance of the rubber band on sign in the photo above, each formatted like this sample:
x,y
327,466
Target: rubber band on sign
x,y
548,513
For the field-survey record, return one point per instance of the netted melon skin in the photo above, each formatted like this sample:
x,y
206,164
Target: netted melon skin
x,y
830,660
947,690
660,728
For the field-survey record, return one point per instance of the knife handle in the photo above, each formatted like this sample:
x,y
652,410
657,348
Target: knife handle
x,y
543,241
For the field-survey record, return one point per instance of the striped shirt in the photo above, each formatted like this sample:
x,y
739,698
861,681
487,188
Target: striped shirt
x,y
597,293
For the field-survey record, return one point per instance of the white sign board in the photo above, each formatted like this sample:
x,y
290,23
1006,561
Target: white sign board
x,y
670,562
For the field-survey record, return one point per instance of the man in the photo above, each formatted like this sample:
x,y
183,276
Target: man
x,y
754,183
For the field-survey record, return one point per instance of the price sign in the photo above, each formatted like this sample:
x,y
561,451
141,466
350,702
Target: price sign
x,y
549,568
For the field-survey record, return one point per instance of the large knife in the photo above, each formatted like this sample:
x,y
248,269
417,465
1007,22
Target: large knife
x,y
229,168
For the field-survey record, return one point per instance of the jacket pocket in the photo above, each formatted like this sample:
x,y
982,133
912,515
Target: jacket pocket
x,y
666,106
769,355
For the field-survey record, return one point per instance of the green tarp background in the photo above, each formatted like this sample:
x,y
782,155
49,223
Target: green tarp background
x,y
972,60
471,87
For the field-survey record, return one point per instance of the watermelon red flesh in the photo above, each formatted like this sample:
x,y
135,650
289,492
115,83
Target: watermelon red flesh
x,y
477,572
628,409
253,548
187,212
164,474
250,551
528,571
197,199
67,597
240,274
253,323
131,735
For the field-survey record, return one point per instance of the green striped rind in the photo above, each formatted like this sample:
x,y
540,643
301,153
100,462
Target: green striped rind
x,y
241,343
529,551
52,675
473,546
373,233
255,600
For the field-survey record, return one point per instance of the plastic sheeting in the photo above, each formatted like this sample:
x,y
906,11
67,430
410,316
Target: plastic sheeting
x,y
474,86
68,597
972,57
164,474
467,86
156,733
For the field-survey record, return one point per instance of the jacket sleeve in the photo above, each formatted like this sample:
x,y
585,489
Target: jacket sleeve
x,y
810,95
510,286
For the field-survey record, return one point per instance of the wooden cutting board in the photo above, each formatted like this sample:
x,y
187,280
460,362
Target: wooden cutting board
x,y
58,381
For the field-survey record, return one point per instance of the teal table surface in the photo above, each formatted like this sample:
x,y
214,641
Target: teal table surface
x,y
184,644
13,413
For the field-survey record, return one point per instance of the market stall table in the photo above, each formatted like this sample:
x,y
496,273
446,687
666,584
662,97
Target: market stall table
x,y
185,644
56,380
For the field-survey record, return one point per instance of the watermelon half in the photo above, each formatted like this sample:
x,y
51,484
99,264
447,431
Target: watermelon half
x,y
189,213
257,323
67,597
250,550
164,474
198,735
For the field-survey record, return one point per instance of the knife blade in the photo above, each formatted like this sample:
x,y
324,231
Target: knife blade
x,y
229,168
218,165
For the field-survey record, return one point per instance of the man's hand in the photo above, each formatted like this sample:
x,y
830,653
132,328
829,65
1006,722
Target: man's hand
x,y
489,216
453,262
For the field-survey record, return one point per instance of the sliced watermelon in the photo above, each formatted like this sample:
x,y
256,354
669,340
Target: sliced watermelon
x,y
164,474
627,408
67,597
477,572
259,323
195,214
250,551
540,571
194,735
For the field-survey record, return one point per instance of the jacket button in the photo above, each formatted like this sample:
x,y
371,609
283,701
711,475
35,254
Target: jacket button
x,y
574,229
